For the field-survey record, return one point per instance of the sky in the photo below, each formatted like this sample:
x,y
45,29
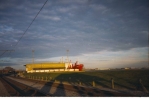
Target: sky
x,y
97,33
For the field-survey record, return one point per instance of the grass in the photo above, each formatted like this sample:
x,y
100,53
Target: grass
x,y
123,79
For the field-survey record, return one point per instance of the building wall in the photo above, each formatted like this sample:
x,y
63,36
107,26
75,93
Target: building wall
x,y
38,66
49,67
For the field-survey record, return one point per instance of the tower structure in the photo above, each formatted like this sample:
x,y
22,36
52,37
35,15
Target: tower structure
x,y
33,56
67,56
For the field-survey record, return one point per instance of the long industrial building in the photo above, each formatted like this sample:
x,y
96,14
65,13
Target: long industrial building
x,y
53,67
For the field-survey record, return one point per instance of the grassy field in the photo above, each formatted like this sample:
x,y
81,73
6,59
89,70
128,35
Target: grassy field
x,y
123,79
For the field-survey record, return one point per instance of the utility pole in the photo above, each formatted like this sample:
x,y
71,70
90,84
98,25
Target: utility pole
x,y
33,56
62,59
67,56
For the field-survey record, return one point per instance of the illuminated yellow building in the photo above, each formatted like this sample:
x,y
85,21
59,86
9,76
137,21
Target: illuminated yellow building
x,y
48,67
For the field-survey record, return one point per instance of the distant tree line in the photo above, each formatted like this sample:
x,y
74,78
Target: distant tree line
x,y
7,70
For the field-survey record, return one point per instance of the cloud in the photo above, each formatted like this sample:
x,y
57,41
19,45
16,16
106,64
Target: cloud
x,y
50,37
67,9
71,1
129,58
54,18
99,8
8,64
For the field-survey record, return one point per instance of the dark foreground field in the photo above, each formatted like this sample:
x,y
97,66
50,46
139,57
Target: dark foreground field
x,y
123,79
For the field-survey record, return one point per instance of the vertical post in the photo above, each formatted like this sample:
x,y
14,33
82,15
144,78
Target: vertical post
x,y
112,83
67,56
50,78
140,81
62,59
33,55
70,79
46,78
61,80
93,84
80,83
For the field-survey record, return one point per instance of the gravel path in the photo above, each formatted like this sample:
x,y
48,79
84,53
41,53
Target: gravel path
x,y
53,90
3,91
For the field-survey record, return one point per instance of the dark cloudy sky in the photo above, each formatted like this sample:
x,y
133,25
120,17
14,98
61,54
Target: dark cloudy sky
x,y
97,33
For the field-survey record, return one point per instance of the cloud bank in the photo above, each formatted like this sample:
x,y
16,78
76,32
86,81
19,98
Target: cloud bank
x,y
83,27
